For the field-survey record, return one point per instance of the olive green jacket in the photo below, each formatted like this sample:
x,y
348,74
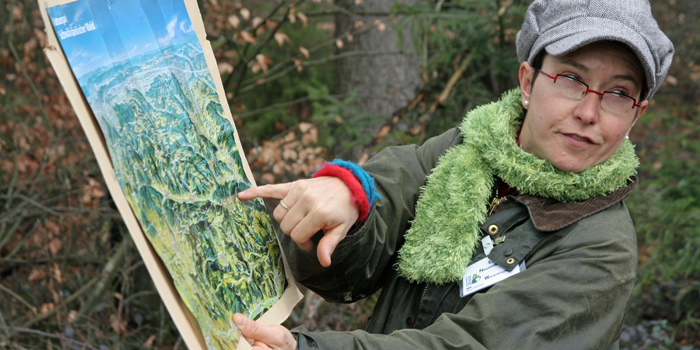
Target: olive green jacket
x,y
580,271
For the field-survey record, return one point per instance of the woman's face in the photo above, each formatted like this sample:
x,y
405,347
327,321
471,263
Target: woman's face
x,y
577,134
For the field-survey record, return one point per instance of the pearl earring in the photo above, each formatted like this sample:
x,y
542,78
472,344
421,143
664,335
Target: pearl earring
x,y
627,137
526,103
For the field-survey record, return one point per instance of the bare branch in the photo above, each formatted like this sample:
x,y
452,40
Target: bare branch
x,y
19,298
277,106
322,61
71,259
32,202
242,65
47,121
107,274
49,335
86,287
281,65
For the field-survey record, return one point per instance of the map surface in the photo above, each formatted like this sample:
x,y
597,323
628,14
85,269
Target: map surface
x,y
143,72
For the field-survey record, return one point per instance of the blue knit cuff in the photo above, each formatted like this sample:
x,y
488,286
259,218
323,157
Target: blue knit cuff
x,y
365,179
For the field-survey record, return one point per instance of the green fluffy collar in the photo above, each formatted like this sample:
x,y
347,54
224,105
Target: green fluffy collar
x,y
445,232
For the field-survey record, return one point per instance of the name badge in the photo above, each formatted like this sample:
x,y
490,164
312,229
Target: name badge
x,y
485,273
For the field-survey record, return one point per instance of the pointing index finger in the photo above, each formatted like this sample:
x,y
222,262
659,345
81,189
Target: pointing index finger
x,y
278,191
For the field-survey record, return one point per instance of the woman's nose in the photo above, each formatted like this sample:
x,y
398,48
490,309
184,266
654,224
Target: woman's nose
x,y
588,108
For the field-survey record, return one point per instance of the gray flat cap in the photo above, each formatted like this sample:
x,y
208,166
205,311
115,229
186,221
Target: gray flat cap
x,y
562,26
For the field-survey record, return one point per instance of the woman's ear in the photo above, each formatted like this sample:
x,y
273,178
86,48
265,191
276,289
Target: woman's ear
x,y
642,108
525,74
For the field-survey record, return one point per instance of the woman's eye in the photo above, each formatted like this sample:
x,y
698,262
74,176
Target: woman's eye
x,y
571,77
619,92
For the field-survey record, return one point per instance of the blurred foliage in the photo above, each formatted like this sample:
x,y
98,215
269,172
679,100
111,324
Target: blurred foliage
x,y
666,207
70,276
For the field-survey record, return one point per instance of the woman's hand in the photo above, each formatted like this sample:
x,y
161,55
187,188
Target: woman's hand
x,y
265,337
319,204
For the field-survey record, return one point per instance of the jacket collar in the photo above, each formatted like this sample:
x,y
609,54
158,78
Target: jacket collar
x,y
551,215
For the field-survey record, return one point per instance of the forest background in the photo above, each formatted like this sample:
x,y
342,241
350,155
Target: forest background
x,y
308,81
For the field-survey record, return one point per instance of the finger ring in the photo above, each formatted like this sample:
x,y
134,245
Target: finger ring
x,y
284,206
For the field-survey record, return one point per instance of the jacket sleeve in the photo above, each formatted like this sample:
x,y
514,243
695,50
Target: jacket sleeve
x,y
360,259
573,295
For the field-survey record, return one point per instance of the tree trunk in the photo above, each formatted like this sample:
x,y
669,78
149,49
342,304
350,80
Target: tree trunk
x,y
389,75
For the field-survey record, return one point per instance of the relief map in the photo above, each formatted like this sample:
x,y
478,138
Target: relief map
x,y
143,72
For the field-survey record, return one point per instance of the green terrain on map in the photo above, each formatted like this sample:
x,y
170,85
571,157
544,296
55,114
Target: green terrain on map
x,y
176,159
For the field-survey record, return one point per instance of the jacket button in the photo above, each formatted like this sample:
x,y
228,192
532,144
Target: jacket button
x,y
510,261
410,321
493,230
508,252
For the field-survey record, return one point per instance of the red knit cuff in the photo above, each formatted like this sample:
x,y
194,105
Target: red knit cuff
x,y
358,194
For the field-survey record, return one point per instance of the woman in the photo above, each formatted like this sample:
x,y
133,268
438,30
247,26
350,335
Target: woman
x,y
509,232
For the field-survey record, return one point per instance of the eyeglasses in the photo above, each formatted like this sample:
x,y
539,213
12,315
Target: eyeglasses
x,y
573,88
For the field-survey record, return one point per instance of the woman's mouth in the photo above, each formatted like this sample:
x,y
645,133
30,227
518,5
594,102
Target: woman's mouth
x,y
579,140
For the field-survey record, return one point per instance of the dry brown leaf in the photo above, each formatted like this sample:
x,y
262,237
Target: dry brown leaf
x,y
359,24
358,2
264,61
383,131
257,21
57,275
281,38
326,26
36,275
46,308
298,64
279,168
289,137
149,342
234,20
289,154
270,24
302,17
350,38
304,51
55,246
72,315
672,80
225,68
363,159
245,13
41,36
310,137
247,37
292,18
31,44
260,30
268,177
52,228
339,43
304,154
304,127
118,325
381,27
417,129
